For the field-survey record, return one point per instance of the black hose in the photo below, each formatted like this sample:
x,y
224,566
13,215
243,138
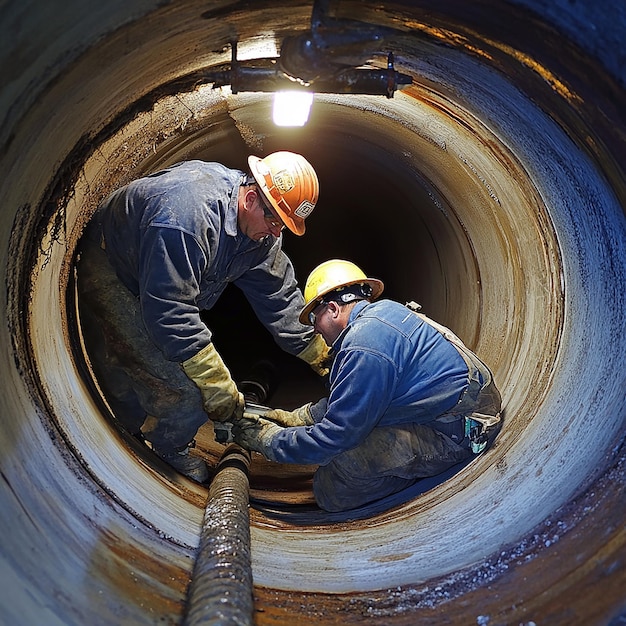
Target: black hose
x,y
220,591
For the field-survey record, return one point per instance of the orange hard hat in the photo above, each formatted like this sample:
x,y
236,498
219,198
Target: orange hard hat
x,y
289,183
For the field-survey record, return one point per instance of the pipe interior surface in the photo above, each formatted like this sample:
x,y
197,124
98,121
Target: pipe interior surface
x,y
491,191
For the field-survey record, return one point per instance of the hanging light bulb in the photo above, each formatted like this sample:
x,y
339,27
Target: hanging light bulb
x,y
291,108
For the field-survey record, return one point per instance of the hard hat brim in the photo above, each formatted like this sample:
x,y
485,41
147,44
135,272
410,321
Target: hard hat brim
x,y
376,285
295,224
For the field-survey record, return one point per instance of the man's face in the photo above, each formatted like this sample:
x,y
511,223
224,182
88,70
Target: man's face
x,y
257,219
328,321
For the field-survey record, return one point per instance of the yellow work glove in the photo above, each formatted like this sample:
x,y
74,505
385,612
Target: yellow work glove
x,y
317,355
220,396
298,417
255,433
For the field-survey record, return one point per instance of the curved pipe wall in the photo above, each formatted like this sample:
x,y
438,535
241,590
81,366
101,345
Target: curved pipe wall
x,y
492,191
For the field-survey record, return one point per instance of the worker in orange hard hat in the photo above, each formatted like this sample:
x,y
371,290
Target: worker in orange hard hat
x,y
407,399
162,249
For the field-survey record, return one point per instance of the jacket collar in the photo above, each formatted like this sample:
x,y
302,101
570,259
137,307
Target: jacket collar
x,y
357,309
230,223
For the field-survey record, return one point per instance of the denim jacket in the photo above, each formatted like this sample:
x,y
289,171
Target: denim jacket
x,y
390,368
173,240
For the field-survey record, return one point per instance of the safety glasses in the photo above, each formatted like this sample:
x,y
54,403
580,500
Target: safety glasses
x,y
313,315
270,217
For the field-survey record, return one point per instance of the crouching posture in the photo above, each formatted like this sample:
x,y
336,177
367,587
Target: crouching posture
x,y
407,399
162,249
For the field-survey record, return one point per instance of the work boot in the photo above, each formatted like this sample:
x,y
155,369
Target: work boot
x,y
187,464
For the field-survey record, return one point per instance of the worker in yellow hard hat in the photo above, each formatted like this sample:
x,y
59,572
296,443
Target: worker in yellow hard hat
x,y
407,399
162,249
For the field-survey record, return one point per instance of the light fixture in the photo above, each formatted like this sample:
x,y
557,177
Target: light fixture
x,y
291,108
320,60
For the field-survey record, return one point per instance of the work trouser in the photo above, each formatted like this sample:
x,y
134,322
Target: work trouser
x,y
393,458
144,390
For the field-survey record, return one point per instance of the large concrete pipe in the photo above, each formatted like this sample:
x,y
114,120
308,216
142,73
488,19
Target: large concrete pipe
x,y
491,191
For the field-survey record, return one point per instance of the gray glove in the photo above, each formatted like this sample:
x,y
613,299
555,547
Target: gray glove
x,y
298,417
255,433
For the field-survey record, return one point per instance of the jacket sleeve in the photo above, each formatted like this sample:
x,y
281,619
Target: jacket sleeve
x,y
272,291
171,264
362,385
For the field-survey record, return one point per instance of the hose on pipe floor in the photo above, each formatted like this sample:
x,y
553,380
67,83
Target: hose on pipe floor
x,y
220,591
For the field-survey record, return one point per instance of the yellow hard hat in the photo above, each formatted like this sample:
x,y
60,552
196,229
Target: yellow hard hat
x,y
331,276
289,183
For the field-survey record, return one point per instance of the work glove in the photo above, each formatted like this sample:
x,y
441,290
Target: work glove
x,y
221,399
317,355
298,417
255,433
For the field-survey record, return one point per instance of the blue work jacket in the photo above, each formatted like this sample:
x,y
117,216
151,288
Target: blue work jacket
x,y
390,368
173,240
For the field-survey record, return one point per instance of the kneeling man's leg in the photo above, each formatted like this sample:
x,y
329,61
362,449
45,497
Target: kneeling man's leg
x,y
389,460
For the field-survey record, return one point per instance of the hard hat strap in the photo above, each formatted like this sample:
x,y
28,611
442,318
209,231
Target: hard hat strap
x,y
343,295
